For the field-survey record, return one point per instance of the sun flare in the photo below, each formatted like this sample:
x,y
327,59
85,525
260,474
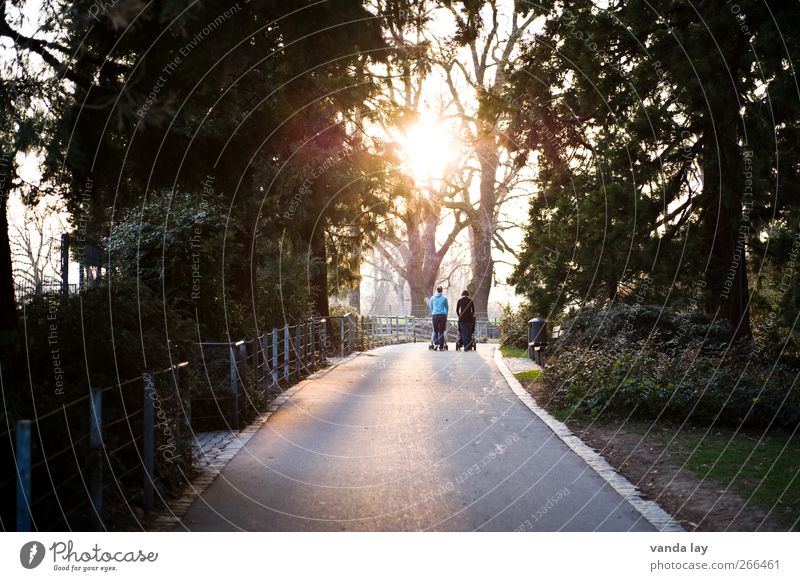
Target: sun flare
x,y
426,150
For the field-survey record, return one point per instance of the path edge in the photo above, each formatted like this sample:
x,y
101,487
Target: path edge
x,y
661,520
170,517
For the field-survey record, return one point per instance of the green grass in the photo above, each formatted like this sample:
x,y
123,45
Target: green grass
x,y
531,375
766,469
509,351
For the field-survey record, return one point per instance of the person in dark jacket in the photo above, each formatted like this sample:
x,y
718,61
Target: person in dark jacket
x,y
465,309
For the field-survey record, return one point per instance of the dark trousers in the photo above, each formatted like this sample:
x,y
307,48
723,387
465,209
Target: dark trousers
x,y
465,332
439,329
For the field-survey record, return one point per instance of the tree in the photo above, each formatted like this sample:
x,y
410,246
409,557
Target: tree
x,y
25,93
666,102
422,226
35,247
491,31
410,242
249,98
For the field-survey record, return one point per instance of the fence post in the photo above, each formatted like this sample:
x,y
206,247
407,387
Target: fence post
x,y
23,452
373,337
148,440
413,329
351,331
286,354
397,330
306,346
95,444
234,379
313,343
187,408
275,356
243,358
265,359
298,348
341,335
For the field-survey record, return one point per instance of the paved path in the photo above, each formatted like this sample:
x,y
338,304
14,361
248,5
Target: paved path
x,y
403,438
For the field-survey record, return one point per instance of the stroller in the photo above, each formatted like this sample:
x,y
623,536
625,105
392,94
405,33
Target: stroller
x,y
471,346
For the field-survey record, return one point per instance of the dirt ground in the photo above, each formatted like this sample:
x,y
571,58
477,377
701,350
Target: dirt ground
x,y
699,505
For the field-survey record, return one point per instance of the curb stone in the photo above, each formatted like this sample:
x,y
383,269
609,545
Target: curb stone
x,y
650,511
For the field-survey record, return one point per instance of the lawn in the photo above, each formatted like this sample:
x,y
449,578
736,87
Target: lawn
x,y
532,375
762,468
509,351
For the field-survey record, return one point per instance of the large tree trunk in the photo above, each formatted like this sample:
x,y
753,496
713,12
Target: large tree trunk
x,y
418,293
725,234
414,263
483,228
318,273
423,272
354,296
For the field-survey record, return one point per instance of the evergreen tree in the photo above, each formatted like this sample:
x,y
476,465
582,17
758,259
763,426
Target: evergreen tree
x,y
656,117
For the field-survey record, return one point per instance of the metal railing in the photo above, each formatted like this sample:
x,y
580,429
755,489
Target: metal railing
x,y
131,446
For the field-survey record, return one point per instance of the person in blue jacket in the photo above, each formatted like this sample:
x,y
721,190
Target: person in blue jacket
x,y
439,309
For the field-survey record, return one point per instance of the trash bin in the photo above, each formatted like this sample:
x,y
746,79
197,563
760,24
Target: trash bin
x,y
537,339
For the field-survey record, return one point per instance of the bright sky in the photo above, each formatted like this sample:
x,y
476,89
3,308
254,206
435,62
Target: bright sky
x,y
428,146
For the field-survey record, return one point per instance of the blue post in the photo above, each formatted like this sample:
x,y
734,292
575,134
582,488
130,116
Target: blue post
x,y
95,445
265,357
23,452
286,354
234,388
275,356
313,343
243,359
298,348
148,441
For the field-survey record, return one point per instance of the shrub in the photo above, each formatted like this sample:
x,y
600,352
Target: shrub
x,y
104,338
648,383
514,327
621,324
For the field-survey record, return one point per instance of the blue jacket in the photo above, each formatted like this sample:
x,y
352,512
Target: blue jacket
x,y
439,304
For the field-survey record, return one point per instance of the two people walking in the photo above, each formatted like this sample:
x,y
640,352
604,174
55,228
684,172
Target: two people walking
x,y
465,310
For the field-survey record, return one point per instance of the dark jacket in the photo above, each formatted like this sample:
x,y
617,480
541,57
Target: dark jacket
x,y
465,310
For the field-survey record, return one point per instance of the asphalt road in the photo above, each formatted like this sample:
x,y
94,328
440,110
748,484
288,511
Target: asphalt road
x,y
406,439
